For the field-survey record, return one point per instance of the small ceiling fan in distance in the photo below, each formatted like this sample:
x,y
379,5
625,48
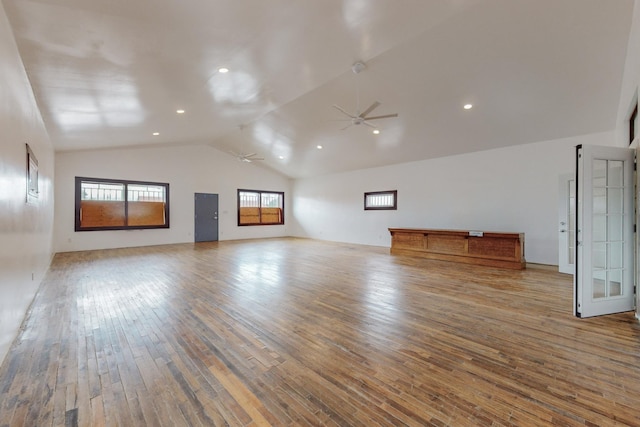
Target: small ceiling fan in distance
x,y
362,118
245,157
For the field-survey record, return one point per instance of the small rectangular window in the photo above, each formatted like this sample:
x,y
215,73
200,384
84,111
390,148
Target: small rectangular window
x,y
103,204
381,200
633,124
32,176
257,207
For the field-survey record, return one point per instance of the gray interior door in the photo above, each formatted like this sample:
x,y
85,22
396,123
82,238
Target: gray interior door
x,y
206,217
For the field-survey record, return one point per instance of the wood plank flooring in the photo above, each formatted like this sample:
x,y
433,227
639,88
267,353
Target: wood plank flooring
x,y
293,332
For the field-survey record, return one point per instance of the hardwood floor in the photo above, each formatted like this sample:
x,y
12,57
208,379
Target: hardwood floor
x,y
300,332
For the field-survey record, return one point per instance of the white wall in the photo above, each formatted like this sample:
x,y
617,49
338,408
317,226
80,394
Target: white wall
x,y
25,229
512,189
630,80
628,98
187,169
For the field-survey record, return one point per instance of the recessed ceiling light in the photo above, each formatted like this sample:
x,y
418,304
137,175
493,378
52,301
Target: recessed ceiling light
x,y
223,70
281,157
156,133
319,147
180,111
376,132
468,106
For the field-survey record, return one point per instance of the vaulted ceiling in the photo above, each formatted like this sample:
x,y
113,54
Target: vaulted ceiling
x,y
113,73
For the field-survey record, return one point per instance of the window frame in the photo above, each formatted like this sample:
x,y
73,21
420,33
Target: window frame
x,y
260,193
78,199
393,193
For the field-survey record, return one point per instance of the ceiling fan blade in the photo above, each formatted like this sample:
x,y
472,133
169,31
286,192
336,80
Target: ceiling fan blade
x,y
386,116
372,107
249,157
337,107
369,124
347,126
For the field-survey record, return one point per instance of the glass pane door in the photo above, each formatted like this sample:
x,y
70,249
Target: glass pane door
x,y
605,231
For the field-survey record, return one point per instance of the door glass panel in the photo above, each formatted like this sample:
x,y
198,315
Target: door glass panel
x,y
615,254
599,284
599,200
614,225
572,249
614,285
614,200
599,173
615,173
599,228
599,256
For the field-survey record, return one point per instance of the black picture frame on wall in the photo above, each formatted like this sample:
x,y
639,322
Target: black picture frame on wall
x,y
32,176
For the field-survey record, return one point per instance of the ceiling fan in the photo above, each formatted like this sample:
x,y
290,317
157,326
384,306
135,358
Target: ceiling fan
x,y
245,157
361,118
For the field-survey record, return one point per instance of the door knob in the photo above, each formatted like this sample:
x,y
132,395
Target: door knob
x,y
563,231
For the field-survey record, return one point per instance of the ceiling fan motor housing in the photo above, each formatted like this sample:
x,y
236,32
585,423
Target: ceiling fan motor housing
x,y
357,67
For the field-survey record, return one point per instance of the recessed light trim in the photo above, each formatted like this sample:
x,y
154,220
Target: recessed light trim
x,y
223,70
180,111
156,133
376,132
319,147
281,157
468,106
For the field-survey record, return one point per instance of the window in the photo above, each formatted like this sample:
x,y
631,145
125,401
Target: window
x,y
381,200
32,176
260,207
103,204
633,124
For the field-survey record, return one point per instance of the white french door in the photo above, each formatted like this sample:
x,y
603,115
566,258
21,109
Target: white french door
x,y
604,279
567,224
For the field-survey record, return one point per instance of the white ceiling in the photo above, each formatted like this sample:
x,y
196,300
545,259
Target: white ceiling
x,y
110,73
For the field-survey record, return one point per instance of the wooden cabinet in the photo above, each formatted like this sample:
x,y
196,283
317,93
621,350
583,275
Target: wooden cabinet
x,y
505,250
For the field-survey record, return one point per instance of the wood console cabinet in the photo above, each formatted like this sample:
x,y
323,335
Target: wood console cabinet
x,y
504,250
